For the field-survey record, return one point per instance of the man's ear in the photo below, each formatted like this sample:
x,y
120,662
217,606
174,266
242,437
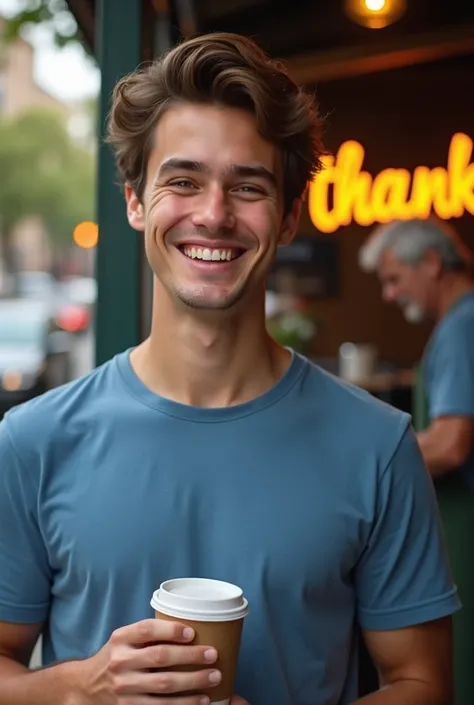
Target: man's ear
x,y
135,210
432,263
290,223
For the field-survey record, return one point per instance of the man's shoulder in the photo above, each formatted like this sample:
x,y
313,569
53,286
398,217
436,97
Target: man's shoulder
x,y
355,414
458,322
454,334
49,416
348,398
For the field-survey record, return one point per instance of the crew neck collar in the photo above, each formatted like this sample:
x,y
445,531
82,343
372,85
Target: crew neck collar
x,y
208,414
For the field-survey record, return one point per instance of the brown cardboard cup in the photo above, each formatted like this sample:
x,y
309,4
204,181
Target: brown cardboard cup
x,y
216,611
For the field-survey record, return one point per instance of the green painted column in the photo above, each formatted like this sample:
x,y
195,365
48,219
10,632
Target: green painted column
x,y
119,253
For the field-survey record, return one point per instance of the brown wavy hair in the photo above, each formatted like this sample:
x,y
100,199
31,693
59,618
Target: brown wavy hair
x,y
222,69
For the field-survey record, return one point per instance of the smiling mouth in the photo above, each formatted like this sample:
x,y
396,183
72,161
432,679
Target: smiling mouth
x,y
211,255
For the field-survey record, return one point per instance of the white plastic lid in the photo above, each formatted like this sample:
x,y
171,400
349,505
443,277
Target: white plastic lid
x,y
200,599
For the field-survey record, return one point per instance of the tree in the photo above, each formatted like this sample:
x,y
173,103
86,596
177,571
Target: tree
x,y
54,13
45,174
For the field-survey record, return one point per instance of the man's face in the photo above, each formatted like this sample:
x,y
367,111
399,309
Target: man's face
x,y
212,210
411,287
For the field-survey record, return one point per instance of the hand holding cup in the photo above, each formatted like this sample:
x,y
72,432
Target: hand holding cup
x,y
149,659
215,610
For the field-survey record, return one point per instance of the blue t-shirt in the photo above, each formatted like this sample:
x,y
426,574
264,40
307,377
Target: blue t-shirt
x,y
448,369
313,498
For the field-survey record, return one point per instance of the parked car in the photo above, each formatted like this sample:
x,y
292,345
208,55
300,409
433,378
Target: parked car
x,y
35,355
75,313
71,302
36,285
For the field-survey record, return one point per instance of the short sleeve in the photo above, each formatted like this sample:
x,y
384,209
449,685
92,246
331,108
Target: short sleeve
x,y
25,575
403,577
451,374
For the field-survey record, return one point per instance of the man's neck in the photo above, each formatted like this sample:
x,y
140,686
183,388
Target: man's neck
x,y
207,360
454,287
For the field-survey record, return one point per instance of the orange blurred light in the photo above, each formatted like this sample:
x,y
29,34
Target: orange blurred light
x,y
73,319
86,234
375,14
12,380
375,5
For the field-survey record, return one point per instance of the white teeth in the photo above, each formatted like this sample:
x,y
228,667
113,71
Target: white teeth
x,y
209,255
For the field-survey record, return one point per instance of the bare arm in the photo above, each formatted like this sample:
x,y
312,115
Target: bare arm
x,y
415,665
447,443
137,664
19,685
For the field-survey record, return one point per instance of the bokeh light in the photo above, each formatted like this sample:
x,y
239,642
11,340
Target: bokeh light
x,y
86,234
375,5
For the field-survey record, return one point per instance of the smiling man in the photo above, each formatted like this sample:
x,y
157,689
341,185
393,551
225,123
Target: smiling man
x,y
209,450
424,267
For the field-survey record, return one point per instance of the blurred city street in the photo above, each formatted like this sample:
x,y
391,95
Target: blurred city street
x,y
46,335
82,354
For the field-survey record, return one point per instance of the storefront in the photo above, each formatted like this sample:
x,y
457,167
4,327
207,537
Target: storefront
x,y
402,142
368,83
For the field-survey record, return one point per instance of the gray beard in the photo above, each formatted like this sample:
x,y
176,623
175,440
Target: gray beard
x,y
412,312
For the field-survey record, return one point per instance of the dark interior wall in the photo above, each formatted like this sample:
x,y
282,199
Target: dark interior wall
x,y
404,118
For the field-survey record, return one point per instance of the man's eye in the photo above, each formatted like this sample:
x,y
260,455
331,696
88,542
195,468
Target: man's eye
x,y
183,183
248,188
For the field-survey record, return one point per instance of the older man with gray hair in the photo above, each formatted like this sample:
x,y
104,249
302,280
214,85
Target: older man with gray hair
x,y
424,267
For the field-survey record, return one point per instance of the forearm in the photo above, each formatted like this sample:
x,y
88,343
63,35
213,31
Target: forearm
x,y
438,460
405,693
47,686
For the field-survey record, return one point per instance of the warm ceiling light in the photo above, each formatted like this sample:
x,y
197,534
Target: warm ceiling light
x,y
375,5
375,14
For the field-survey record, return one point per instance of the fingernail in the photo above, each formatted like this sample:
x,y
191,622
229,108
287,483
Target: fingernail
x,y
188,633
215,677
210,655
204,701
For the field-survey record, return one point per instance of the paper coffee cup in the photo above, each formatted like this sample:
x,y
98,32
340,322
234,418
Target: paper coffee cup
x,y
216,611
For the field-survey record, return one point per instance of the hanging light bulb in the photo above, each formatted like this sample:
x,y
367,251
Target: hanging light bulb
x,y
375,14
375,5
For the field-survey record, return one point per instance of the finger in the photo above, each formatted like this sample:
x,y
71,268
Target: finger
x,y
167,655
170,682
152,630
183,700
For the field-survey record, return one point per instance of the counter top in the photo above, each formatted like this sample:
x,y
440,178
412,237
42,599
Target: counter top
x,y
386,381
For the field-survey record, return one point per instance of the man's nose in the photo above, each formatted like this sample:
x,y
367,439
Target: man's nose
x,y
389,293
213,211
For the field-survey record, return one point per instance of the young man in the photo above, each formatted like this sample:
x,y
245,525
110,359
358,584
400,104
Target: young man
x,y
211,451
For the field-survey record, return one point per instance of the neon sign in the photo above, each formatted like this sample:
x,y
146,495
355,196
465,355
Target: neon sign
x,y
393,193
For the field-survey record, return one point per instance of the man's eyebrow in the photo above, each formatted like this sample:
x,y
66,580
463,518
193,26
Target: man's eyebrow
x,y
254,171
241,170
175,164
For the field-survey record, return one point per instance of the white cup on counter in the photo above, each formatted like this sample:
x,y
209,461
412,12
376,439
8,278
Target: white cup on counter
x,y
357,362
